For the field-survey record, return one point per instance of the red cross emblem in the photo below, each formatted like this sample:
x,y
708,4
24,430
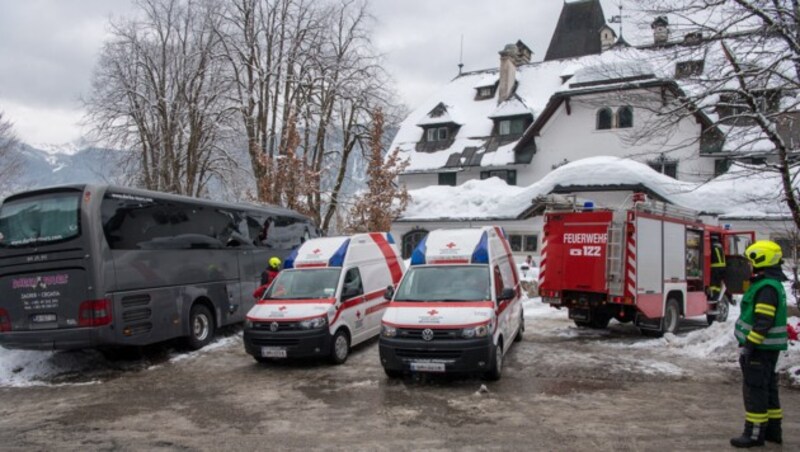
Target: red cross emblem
x,y
451,245
282,308
433,312
317,251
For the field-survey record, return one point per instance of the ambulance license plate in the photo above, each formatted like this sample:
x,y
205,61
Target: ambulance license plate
x,y
273,352
427,367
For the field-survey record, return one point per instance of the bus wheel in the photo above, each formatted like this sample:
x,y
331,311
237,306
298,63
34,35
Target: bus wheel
x,y
671,317
201,327
340,347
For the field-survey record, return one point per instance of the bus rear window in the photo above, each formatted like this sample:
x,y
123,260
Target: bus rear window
x,y
40,219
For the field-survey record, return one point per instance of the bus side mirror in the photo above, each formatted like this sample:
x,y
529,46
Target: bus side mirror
x,y
389,294
507,294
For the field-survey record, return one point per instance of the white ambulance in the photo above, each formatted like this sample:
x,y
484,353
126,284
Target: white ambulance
x,y
457,308
328,298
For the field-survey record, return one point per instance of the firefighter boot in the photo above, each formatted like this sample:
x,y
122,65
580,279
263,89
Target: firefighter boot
x,y
752,436
774,431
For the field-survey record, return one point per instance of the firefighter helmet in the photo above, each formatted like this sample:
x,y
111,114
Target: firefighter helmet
x,y
764,253
274,263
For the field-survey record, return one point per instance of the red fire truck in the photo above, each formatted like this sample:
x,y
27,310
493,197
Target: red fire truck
x,y
649,263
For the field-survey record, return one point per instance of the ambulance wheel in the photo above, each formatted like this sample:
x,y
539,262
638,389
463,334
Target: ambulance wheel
x,y
521,329
391,373
672,317
340,347
722,311
496,369
201,327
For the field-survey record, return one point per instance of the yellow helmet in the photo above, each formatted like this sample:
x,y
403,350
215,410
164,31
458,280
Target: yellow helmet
x,y
764,253
274,262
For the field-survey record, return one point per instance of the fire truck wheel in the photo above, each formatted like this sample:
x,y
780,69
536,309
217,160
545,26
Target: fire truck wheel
x,y
672,317
722,311
582,323
600,320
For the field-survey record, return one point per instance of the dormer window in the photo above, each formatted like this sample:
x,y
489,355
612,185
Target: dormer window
x,y
485,92
511,126
437,134
685,69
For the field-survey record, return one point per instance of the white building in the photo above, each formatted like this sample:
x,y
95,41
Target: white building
x,y
590,96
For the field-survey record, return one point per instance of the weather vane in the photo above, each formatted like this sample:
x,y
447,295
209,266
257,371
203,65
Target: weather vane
x,y
617,19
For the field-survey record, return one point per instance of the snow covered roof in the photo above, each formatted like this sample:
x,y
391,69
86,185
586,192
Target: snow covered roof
x,y
742,191
539,83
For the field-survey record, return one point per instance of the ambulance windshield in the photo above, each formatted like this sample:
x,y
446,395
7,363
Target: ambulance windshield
x,y
446,283
304,284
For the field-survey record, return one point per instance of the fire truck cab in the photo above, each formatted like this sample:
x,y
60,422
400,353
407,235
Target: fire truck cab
x,y
649,263
328,298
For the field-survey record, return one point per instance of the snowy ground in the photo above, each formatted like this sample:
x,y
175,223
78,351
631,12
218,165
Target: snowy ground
x,y
715,345
563,388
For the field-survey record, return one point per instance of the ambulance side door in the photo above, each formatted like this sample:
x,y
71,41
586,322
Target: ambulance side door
x,y
353,305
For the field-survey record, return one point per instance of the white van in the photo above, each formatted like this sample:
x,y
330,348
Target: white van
x,y
328,298
457,308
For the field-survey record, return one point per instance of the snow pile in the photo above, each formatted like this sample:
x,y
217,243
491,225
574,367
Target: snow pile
x,y
536,310
742,191
20,368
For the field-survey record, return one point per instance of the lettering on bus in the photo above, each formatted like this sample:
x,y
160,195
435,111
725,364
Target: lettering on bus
x,y
579,238
40,282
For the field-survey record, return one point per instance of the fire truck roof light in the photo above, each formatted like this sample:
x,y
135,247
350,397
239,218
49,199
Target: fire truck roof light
x,y
588,205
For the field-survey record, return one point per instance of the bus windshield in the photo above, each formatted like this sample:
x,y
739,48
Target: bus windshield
x,y
445,283
304,284
40,219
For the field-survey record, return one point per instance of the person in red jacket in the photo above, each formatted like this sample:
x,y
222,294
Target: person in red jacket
x,y
269,275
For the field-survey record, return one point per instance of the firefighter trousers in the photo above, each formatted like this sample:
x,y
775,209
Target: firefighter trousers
x,y
760,386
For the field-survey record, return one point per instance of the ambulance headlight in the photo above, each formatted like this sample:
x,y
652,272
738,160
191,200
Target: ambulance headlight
x,y
388,331
478,331
311,324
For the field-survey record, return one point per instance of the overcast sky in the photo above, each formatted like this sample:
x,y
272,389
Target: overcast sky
x,y
48,49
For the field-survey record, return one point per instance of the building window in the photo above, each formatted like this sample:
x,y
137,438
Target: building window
x,y
605,119
527,243
437,134
625,117
510,176
447,179
665,166
511,127
721,166
685,69
411,240
484,92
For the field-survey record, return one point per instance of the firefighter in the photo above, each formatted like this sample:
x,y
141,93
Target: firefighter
x,y
717,267
761,332
269,275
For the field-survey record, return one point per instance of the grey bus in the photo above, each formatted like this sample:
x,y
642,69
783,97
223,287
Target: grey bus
x,y
86,266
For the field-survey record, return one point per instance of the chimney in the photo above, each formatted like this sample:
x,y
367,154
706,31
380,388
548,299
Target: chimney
x,y
660,28
508,72
607,38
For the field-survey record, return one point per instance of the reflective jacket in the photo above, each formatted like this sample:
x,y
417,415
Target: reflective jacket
x,y
762,322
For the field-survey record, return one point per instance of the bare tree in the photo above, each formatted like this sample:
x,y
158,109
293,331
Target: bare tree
x,y
160,91
384,201
739,71
9,164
